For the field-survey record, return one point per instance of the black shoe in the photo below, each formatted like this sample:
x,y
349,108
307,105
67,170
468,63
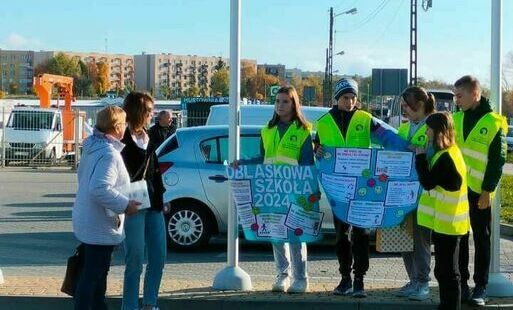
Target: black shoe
x,y
344,287
478,296
465,293
358,290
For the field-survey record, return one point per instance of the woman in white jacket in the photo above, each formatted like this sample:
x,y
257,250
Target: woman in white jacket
x,y
100,205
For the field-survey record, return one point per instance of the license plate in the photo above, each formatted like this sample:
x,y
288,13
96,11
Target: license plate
x,y
21,153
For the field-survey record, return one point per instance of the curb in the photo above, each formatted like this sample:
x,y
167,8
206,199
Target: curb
x,y
506,230
207,303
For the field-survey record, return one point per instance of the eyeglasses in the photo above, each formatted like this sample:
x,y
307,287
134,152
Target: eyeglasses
x,y
122,125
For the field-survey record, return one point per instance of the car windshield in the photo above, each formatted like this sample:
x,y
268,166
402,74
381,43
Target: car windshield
x,y
30,120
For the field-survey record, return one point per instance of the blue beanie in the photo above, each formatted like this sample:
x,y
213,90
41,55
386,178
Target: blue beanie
x,y
345,86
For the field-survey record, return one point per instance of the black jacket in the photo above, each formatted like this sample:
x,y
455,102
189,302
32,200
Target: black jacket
x,y
159,134
136,160
443,173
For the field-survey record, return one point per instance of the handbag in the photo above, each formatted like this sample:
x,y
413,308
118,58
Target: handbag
x,y
73,270
396,239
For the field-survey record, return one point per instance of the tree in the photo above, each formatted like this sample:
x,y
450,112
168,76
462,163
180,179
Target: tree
x,y
220,82
13,88
61,64
192,91
2,94
220,64
103,78
247,71
165,91
260,83
433,84
315,81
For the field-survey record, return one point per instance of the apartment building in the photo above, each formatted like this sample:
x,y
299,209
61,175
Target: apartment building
x,y
121,67
16,71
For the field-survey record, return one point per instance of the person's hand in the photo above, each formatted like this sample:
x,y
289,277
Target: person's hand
x,y
235,164
167,207
132,207
484,201
420,150
320,152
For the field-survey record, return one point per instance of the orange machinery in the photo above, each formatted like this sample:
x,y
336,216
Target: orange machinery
x,y
44,84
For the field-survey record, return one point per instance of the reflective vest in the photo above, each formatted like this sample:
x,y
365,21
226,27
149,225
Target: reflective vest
x,y
475,147
284,150
444,211
357,135
418,139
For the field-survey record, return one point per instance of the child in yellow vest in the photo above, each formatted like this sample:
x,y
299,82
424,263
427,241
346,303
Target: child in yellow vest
x,y
443,206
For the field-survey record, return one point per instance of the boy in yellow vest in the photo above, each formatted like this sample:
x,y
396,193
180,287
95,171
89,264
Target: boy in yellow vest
x,y
347,126
480,134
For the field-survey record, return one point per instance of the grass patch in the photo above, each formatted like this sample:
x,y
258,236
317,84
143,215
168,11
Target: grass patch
x,y
507,198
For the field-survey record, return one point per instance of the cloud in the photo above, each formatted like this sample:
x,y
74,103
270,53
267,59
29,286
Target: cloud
x,y
15,41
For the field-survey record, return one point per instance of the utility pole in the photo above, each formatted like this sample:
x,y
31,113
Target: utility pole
x,y
413,43
330,56
325,82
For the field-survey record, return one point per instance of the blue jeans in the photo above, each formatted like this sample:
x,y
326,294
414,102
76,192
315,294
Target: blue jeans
x,y
146,228
92,284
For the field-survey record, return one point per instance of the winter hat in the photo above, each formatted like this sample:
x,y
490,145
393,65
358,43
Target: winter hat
x,y
345,86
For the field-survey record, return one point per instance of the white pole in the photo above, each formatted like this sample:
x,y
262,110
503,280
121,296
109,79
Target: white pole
x,y
498,284
232,277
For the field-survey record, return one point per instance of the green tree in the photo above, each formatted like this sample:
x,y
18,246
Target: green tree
x,y
220,82
61,64
165,91
192,91
316,82
220,64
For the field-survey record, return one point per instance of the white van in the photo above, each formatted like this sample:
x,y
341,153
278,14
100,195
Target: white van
x,y
257,114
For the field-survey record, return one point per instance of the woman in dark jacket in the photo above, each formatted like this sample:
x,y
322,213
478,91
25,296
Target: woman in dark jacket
x,y
147,228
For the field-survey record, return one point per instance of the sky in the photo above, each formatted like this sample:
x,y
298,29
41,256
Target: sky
x,y
453,35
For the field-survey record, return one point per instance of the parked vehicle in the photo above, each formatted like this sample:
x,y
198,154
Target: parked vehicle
x,y
509,138
33,133
192,162
257,114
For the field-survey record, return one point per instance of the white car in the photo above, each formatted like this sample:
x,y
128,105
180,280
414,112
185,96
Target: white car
x,y
192,162
509,138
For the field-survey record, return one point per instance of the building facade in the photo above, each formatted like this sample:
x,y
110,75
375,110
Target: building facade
x,y
169,75
121,67
16,71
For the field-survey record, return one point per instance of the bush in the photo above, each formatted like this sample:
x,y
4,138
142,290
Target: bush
x,y
507,199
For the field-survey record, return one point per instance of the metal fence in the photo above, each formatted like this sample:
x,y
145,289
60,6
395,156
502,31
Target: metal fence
x,y
47,137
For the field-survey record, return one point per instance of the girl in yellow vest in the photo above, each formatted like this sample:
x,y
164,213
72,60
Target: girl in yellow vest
x,y
443,206
417,104
286,140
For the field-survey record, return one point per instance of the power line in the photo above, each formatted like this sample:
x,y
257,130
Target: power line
x,y
371,16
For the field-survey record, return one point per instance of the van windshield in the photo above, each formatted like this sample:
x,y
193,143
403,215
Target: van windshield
x,y
31,120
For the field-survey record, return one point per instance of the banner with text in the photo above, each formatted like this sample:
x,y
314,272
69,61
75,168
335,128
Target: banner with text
x,y
278,203
369,187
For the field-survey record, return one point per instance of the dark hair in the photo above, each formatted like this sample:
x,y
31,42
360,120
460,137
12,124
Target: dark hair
x,y
468,82
298,115
137,105
416,97
443,130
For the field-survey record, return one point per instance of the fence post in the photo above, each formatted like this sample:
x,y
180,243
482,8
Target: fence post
x,y
77,139
3,137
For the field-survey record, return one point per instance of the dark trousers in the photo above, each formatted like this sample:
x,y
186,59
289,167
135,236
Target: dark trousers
x,y
91,287
480,221
446,270
351,242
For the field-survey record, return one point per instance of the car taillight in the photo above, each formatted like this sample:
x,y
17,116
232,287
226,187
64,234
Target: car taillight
x,y
163,166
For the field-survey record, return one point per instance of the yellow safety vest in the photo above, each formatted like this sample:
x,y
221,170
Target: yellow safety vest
x,y
444,211
418,139
475,147
357,135
287,149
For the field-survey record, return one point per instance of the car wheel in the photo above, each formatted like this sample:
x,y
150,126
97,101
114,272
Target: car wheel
x,y
188,226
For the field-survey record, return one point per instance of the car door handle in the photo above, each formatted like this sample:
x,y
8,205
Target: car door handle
x,y
218,178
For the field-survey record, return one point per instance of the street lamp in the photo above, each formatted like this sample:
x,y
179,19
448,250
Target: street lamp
x,y
351,11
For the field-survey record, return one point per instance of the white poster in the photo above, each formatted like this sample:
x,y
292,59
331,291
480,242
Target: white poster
x,y
308,221
394,164
246,216
241,191
271,225
365,213
340,188
402,193
352,161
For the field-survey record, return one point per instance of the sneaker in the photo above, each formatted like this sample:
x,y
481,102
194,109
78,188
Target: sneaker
x,y
281,283
421,292
465,293
358,290
478,296
298,286
344,287
406,290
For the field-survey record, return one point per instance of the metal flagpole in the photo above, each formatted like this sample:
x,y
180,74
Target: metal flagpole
x,y
498,284
232,277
